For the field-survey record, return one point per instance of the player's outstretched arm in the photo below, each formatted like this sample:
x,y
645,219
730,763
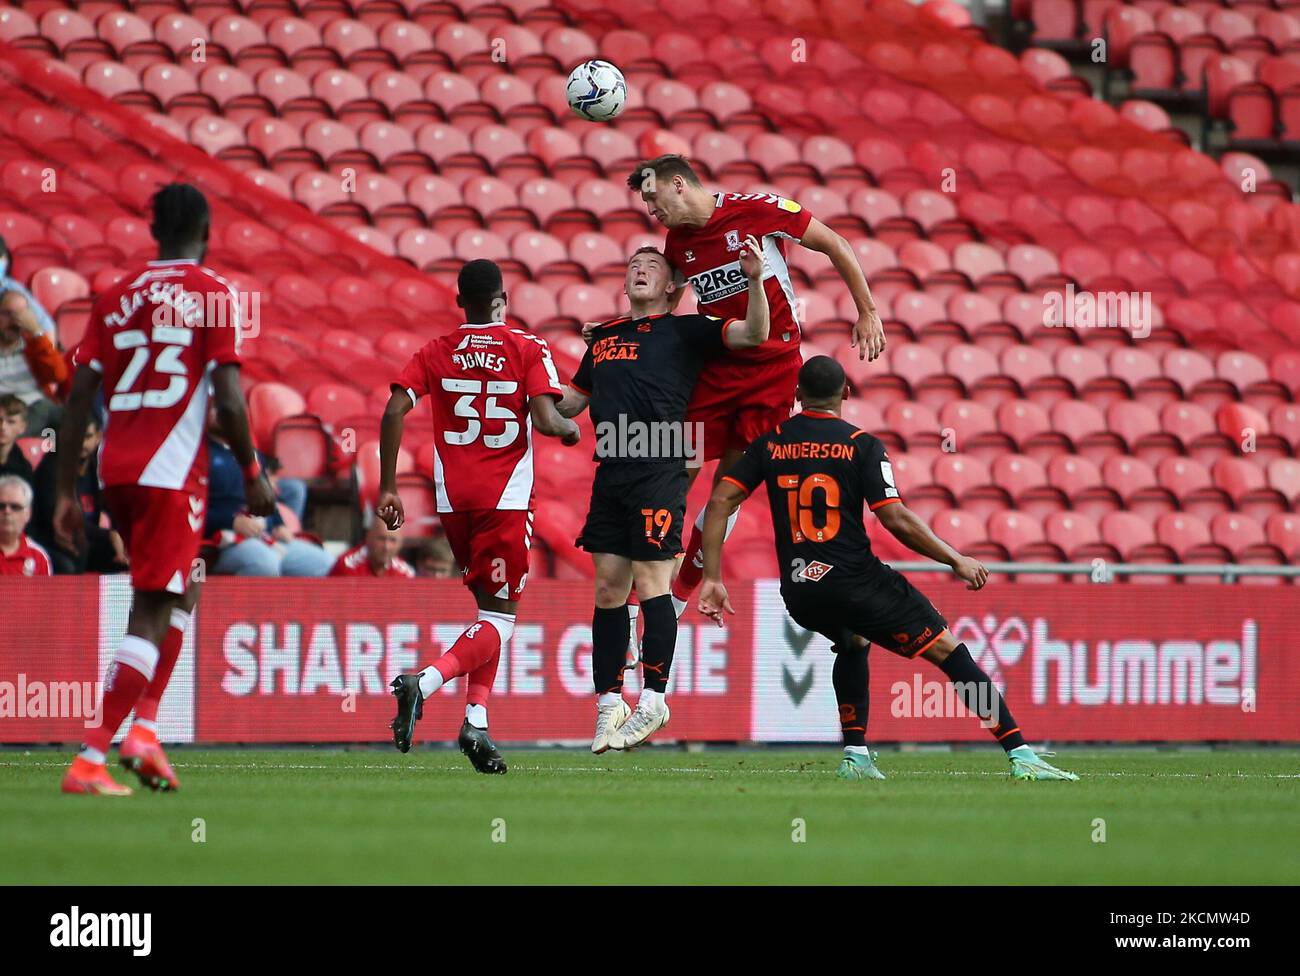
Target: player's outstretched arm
x,y
232,416
574,402
714,601
389,505
910,529
868,333
548,421
69,518
753,330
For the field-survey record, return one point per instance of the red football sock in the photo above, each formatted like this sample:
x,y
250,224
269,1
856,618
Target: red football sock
x,y
147,707
481,680
126,680
692,571
472,650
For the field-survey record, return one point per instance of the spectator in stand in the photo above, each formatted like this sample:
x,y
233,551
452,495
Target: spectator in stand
x,y
376,556
432,558
13,421
31,367
13,284
290,492
19,555
104,552
247,545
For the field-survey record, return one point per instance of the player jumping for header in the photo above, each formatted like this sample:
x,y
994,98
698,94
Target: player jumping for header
x,y
819,471
745,393
156,346
491,385
637,376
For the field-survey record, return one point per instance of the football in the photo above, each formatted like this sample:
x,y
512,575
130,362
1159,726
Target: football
x,y
597,91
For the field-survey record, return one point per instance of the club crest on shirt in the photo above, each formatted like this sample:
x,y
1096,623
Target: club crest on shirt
x,y
733,240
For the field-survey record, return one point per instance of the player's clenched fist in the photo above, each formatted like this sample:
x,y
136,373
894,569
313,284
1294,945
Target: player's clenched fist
x,y
390,509
714,601
751,259
69,524
260,495
971,571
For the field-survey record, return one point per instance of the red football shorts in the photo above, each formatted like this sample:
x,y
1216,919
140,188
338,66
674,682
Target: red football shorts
x,y
161,529
491,547
736,400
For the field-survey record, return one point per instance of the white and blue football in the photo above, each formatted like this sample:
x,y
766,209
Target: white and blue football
x,y
597,91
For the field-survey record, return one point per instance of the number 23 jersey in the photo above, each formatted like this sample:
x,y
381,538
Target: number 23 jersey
x,y
155,337
479,380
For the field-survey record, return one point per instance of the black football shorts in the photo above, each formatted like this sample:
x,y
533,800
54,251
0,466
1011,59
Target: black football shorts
x,y
882,606
636,511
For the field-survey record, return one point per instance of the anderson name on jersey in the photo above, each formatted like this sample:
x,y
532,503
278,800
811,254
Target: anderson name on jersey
x,y
820,472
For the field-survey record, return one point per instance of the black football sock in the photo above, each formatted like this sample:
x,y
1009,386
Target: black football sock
x,y
851,677
658,641
610,630
979,693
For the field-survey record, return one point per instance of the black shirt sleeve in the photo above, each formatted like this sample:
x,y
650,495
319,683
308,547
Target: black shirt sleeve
x,y
877,473
747,473
704,333
582,378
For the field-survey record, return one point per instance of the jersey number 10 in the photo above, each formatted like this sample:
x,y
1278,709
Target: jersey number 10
x,y
799,499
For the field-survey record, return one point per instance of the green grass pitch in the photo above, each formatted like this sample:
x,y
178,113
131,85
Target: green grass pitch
x,y
661,815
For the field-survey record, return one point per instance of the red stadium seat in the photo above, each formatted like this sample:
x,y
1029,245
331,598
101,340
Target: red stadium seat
x,y
1126,532
268,404
302,447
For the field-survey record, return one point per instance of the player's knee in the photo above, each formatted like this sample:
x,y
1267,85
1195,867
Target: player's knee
x,y
610,594
938,652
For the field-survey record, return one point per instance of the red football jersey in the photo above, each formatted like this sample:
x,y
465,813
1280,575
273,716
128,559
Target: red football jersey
x,y
707,257
479,380
155,337
29,559
356,562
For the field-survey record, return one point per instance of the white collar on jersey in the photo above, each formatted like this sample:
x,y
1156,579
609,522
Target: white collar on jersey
x,y
482,325
171,261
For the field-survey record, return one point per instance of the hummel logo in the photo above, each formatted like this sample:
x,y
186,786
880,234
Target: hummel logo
x,y
690,256
196,513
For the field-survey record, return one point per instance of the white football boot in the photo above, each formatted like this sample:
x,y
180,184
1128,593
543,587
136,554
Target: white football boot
x,y
644,722
609,718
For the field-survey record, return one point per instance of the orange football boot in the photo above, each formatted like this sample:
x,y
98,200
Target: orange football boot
x,y
141,753
84,776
